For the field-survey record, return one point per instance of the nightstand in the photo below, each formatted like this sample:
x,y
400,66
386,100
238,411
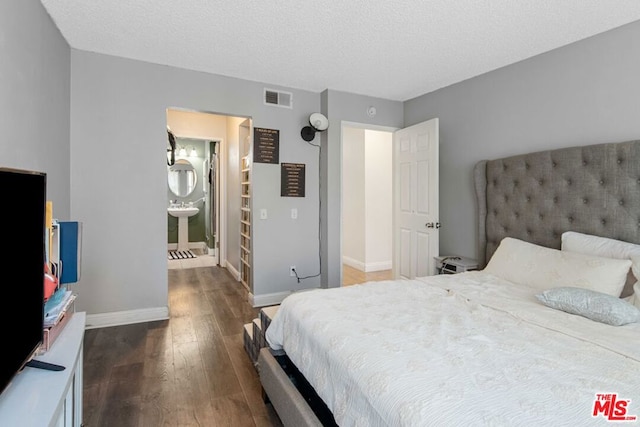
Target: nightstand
x,y
452,264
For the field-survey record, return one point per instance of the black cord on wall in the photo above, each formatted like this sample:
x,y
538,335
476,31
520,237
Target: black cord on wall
x,y
319,147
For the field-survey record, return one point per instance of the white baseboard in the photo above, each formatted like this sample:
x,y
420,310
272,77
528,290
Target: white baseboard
x,y
192,245
235,273
117,318
198,245
377,266
367,267
358,265
267,299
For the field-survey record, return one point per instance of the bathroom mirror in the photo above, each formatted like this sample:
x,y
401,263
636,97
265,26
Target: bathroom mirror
x,y
182,178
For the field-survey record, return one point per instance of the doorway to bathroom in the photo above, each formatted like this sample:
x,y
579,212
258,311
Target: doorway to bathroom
x,y
203,191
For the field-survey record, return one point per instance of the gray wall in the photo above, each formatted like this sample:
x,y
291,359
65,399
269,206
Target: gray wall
x,y
584,93
118,106
34,97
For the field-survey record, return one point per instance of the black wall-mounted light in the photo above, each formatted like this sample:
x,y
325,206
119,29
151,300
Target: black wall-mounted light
x,y
317,123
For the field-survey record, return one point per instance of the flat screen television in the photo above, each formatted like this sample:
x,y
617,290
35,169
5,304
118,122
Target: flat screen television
x,y
22,274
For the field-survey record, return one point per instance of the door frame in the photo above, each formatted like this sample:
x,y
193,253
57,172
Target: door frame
x,y
224,158
221,199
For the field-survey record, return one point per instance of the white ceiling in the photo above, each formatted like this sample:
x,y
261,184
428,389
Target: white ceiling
x,y
390,49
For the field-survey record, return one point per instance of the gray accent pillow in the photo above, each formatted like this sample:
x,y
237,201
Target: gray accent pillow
x,y
593,305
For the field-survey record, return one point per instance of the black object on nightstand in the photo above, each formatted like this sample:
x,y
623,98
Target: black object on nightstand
x,y
452,264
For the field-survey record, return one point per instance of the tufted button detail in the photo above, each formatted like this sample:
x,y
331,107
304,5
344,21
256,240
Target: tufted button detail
x,y
621,202
585,201
568,182
526,166
516,214
541,216
555,200
601,181
603,221
619,161
528,232
554,164
584,163
541,182
528,199
570,219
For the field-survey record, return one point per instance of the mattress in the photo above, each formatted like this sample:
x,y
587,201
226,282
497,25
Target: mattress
x,y
464,349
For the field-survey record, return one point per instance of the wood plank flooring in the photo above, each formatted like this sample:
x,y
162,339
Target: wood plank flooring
x,y
190,370
352,276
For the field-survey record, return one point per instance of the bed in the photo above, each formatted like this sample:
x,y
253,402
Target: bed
x,y
546,333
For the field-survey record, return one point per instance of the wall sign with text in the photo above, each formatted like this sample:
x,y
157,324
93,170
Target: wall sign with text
x,y
292,179
266,145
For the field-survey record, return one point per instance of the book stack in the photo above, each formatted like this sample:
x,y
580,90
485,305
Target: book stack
x,y
57,311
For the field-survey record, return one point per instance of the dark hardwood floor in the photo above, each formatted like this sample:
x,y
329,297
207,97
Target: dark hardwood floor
x,y
190,370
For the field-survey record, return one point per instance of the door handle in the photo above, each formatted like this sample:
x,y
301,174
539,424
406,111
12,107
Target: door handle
x,y
433,225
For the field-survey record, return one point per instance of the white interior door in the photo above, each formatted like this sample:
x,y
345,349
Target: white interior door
x,y
415,200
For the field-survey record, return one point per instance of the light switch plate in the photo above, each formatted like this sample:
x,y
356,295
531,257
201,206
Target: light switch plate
x,y
294,213
263,214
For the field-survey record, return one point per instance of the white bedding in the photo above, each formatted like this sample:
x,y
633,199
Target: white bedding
x,y
454,350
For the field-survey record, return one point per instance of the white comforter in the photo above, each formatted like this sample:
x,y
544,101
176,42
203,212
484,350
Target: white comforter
x,y
454,350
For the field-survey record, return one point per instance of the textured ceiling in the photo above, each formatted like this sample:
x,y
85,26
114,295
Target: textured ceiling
x,y
394,50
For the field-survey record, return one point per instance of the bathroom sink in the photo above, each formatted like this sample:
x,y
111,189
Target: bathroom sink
x,y
182,211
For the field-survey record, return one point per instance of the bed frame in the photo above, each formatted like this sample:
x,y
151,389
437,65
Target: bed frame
x,y
534,197
294,406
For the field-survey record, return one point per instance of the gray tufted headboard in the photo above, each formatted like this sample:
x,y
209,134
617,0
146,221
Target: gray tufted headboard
x,y
535,197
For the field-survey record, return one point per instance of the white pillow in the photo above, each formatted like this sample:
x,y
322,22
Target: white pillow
x,y
544,268
601,246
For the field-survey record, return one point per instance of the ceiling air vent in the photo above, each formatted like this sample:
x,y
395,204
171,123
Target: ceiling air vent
x,y
278,98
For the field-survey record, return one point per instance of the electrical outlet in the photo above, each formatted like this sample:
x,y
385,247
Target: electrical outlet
x,y
292,271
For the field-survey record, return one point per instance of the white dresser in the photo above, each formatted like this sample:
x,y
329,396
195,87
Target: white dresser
x,y
40,398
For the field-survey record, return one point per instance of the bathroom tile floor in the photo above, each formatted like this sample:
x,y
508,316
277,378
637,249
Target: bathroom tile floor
x,y
201,260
